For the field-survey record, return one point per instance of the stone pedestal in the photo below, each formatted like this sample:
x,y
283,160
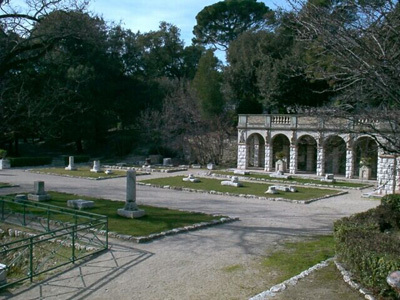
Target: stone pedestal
x,y
167,162
210,166
39,193
71,164
130,209
191,178
280,166
233,182
4,164
96,167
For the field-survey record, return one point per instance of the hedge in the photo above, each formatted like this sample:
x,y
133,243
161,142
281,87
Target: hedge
x,y
30,161
77,159
368,245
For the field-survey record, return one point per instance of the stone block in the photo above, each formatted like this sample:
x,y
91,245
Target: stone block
x,y
4,164
80,203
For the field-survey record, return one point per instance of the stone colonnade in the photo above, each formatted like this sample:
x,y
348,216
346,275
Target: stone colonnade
x,y
324,149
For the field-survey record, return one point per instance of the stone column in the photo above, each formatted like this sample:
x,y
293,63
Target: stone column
x,y
268,158
320,161
310,158
71,164
349,162
242,157
130,209
293,159
39,193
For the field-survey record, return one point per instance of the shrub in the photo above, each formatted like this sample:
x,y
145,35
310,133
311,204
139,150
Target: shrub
x,y
77,159
3,153
30,161
392,201
368,245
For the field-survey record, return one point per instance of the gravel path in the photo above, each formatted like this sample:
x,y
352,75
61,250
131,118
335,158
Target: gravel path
x,y
194,265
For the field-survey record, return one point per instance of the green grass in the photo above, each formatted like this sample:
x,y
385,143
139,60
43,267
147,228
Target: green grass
x,y
81,172
156,219
299,256
299,180
257,189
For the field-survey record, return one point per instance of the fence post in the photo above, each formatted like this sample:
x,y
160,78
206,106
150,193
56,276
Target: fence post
x,y
31,259
73,244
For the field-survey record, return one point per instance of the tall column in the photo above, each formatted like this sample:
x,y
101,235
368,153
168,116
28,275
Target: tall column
x,y
310,158
242,156
386,174
268,158
320,161
349,162
293,159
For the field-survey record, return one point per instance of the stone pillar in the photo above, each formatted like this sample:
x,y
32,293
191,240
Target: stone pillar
x,y
310,158
293,159
130,209
386,174
96,167
268,158
242,157
349,162
71,164
320,161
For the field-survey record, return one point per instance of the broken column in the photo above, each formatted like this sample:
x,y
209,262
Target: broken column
x,y
39,193
130,209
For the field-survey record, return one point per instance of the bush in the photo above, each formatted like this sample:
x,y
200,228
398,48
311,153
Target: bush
x,y
3,153
368,245
392,201
30,161
77,159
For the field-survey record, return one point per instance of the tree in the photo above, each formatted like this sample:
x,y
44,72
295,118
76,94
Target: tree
x,y
224,21
207,83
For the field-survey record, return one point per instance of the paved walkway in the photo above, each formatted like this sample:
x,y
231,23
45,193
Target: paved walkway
x,y
186,266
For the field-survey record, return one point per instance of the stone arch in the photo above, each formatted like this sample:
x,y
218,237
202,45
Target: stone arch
x,y
280,144
306,153
335,155
255,145
365,153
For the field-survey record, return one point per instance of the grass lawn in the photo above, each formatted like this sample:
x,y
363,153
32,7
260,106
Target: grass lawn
x,y
299,180
156,219
257,189
299,256
81,172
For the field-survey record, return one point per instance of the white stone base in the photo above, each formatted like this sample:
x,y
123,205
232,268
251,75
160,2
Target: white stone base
x,y
4,164
69,168
132,214
39,198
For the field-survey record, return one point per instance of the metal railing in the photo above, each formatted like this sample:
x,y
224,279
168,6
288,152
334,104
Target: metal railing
x,y
65,236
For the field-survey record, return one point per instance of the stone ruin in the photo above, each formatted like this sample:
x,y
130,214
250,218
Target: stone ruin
x,y
273,189
233,182
191,178
329,178
80,203
130,209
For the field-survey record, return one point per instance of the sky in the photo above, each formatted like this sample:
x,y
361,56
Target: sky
x,y
146,15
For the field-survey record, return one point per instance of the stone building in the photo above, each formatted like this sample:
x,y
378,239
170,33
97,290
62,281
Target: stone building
x,y
313,145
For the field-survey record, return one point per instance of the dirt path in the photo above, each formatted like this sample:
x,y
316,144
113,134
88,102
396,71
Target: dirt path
x,y
221,262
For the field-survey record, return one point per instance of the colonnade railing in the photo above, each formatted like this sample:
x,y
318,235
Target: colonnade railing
x,y
287,121
37,238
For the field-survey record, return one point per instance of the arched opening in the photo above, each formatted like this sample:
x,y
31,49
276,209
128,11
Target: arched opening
x,y
280,149
255,151
335,155
366,154
307,154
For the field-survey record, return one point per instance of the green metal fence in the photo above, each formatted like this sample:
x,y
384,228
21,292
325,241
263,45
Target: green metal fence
x,y
49,237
